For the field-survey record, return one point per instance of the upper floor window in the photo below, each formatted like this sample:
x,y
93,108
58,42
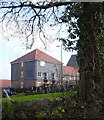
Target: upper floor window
x,y
42,63
45,75
53,76
21,64
39,74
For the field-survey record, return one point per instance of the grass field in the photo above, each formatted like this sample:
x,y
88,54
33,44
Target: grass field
x,y
41,96
33,97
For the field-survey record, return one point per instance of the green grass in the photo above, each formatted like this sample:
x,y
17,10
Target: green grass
x,y
33,97
41,96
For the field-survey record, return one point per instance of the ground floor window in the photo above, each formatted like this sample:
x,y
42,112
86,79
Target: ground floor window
x,y
21,84
38,84
53,76
59,76
22,74
74,77
64,78
70,77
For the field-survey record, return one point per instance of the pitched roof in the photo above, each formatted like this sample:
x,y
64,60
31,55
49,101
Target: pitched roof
x,y
72,61
69,70
4,83
36,55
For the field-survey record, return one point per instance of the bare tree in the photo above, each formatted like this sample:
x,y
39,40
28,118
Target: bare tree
x,y
26,19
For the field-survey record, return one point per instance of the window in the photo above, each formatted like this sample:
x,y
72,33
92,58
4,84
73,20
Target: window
x,y
45,76
59,76
74,77
39,74
70,77
53,76
22,74
21,64
21,84
42,63
64,78
38,84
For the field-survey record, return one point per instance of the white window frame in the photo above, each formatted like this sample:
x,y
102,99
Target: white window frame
x,y
64,78
38,84
21,84
59,76
53,76
74,77
21,74
42,63
70,77
21,63
46,75
39,74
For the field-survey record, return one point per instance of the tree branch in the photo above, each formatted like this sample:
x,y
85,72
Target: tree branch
x,y
30,4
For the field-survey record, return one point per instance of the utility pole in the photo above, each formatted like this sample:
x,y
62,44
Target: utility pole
x,y
61,67
61,71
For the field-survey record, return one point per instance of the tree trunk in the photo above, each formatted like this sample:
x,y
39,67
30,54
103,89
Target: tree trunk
x,y
92,55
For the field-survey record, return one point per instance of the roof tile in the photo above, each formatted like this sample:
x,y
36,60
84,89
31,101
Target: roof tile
x,y
72,61
4,83
36,55
69,70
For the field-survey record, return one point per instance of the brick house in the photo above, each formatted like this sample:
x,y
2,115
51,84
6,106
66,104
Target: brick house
x,y
34,69
70,72
4,83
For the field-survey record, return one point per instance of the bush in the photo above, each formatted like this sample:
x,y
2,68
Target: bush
x,y
40,115
68,94
32,93
19,94
3,95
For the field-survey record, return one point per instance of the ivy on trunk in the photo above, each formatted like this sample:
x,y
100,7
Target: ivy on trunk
x,y
92,56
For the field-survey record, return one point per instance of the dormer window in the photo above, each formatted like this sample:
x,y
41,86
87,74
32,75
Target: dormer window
x,y
21,64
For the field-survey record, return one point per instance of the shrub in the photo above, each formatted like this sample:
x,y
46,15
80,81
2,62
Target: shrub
x,y
68,94
40,115
19,94
3,95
